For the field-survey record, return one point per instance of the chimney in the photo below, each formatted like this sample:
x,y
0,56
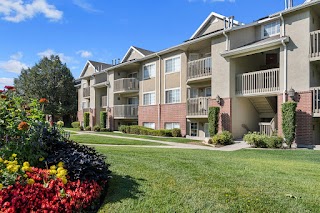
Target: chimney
x,y
288,4
118,60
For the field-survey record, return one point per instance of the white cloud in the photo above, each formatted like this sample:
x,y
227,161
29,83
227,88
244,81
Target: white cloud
x,y
86,6
5,82
18,10
13,65
62,56
84,53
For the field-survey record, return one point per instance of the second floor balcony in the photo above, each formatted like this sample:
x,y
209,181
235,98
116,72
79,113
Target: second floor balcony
x,y
126,111
200,69
314,49
86,92
259,82
197,107
126,85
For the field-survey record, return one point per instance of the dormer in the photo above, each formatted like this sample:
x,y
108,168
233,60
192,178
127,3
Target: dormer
x,y
135,53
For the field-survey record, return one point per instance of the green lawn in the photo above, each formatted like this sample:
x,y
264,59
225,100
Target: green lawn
x,y
93,139
177,180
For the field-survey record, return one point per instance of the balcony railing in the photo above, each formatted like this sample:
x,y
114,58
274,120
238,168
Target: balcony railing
x,y
126,111
316,101
126,85
265,81
104,101
101,78
86,109
314,45
86,92
269,128
197,106
199,68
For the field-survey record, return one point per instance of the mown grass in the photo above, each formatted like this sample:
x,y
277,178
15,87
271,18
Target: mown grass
x,y
162,180
94,139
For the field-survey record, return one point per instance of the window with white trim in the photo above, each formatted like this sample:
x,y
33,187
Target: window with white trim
x,y
207,92
149,98
149,125
271,29
172,125
85,105
149,71
173,96
173,64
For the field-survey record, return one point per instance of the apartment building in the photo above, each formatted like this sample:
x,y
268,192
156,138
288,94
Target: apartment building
x,y
248,70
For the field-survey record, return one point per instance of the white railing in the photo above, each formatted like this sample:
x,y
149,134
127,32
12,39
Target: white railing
x,y
104,101
258,82
268,128
314,44
126,111
200,68
316,101
86,92
126,85
197,106
101,78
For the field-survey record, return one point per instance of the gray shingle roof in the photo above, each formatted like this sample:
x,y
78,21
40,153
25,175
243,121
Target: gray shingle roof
x,y
144,51
100,65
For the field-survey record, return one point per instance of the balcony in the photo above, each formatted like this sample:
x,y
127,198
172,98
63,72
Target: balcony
x,y
260,82
199,70
86,92
126,112
104,101
197,107
314,53
86,110
316,101
126,85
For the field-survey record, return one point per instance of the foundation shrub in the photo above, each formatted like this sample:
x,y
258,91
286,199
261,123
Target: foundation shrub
x,y
213,118
289,121
75,124
224,138
176,132
86,119
81,128
141,130
104,130
96,128
122,128
275,142
262,141
103,119
88,128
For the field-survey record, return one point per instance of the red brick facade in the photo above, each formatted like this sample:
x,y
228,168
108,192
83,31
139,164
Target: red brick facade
x,y
168,113
225,120
303,117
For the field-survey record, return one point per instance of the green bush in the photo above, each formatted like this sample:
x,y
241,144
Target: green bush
x,y
223,138
88,128
104,130
289,121
96,128
60,124
275,142
262,141
86,119
75,124
176,132
81,128
122,128
213,118
103,119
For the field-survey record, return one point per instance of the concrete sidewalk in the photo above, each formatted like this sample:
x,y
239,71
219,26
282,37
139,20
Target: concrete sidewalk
x,y
236,146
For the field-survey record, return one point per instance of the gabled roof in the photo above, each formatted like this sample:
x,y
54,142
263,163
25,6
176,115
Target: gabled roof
x,y
207,21
98,66
142,52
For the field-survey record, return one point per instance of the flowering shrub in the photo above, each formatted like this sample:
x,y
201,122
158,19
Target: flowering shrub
x,y
40,171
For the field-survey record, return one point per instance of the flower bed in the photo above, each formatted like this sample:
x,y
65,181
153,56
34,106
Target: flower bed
x,y
40,170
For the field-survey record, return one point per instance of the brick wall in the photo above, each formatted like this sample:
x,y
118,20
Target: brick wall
x,y
225,120
92,117
110,120
80,116
303,117
148,114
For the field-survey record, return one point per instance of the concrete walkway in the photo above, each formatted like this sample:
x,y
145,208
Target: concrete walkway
x,y
236,146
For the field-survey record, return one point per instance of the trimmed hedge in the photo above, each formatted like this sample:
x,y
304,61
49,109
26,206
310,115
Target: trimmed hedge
x,y
213,118
224,138
263,141
86,119
103,119
96,128
75,124
60,124
289,121
141,130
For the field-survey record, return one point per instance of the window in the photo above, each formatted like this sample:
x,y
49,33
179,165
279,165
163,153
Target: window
x,y
193,92
85,105
193,129
271,29
172,125
149,98
149,71
133,75
206,130
173,96
173,64
133,101
149,125
207,92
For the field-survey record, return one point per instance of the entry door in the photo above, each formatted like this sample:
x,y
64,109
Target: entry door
x,y
206,130
193,129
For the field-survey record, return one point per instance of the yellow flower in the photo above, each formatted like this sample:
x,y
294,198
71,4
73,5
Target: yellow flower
x,y
9,167
53,167
1,186
6,161
26,169
64,180
62,172
1,160
30,181
60,168
25,175
60,164
53,172
14,155
26,164
41,159
14,162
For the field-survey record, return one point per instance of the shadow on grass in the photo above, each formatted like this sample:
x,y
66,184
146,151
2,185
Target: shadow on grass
x,y
122,187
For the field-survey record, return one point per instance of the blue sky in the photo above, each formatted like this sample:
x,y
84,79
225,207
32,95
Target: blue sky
x,y
102,30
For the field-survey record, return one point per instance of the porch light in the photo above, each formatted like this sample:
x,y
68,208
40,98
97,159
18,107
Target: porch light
x,y
292,93
218,99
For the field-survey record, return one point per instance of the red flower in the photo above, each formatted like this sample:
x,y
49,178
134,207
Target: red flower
x,y
43,101
9,87
23,125
1,91
3,96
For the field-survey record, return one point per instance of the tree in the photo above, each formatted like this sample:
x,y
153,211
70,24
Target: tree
x,y
52,80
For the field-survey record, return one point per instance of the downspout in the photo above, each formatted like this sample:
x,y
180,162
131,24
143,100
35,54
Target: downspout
x,y
159,101
227,40
284,60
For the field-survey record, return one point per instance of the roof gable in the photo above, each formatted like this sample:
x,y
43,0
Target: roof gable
x,y
97,66
135,53
212,23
